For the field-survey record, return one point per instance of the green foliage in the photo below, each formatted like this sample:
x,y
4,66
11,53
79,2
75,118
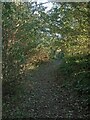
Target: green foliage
x,y
13,48
75,45
21,39
32,36
75,71
27,27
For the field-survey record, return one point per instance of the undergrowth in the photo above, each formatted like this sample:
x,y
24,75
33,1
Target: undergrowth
x,y
76,74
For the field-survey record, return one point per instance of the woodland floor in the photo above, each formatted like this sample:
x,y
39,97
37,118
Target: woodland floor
x,y
40,95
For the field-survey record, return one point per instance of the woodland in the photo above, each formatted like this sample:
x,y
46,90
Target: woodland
x,y
45,60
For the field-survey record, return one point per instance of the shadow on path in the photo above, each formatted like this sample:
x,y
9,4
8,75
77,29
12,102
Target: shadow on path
x,y
40,96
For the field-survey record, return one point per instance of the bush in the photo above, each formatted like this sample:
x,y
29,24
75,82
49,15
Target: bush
x,y
76,70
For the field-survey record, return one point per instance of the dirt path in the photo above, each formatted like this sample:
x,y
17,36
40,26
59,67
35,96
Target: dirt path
x,y
42,97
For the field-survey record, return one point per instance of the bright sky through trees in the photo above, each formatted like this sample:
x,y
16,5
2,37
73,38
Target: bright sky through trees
x,y
48,5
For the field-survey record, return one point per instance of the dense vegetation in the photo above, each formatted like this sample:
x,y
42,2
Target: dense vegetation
x,y
32,34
